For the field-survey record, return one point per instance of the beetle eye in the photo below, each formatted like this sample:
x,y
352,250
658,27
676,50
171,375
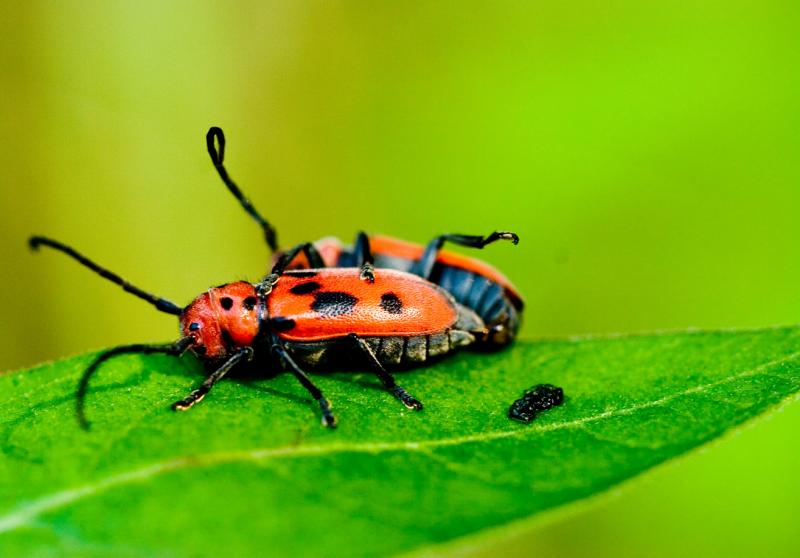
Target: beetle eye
x,y
194,326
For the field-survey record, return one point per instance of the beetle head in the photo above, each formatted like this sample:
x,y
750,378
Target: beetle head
x,y
222,319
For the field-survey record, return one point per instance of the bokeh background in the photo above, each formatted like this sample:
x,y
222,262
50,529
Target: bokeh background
x,y
646,153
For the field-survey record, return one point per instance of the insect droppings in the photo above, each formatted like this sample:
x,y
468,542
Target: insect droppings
x,y
535,400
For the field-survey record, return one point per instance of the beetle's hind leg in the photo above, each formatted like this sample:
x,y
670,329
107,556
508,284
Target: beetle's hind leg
x,y
385,377
424,267
324,405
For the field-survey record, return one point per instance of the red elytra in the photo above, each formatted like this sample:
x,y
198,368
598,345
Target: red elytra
x,y
396,303
330,248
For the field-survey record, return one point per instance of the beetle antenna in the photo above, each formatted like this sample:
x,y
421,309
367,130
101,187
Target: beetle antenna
x,y
177,349
161,304
215,136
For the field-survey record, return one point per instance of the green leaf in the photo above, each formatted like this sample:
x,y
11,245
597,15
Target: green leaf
x,y
251,472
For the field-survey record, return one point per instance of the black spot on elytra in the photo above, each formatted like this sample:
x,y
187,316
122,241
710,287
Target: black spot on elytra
x,y
333,303
305,288
250,302
279,323
226,302
302,274
390,303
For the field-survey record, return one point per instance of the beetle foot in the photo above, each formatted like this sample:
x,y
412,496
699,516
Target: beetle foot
x,y
328,420
368,273
188,402
266,285
508,235
407,399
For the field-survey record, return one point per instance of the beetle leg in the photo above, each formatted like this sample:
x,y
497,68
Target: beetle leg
x,y
313,256
385,377
245,353
324,405
310,251
364,259
424,266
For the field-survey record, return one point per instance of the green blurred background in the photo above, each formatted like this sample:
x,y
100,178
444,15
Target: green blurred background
x,y
646,153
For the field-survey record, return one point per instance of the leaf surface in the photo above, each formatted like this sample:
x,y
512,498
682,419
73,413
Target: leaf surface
x,y
249,471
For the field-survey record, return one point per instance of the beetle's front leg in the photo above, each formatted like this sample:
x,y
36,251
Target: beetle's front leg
x,y
245,353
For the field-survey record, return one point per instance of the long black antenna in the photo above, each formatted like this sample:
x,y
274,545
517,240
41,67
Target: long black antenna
x,y
216,135
177,349
161,304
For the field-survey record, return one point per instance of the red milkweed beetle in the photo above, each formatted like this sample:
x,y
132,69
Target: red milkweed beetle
x,y
318,318
472,282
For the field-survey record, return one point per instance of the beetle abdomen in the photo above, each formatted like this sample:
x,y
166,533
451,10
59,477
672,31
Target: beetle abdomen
x,y
487,298
392,352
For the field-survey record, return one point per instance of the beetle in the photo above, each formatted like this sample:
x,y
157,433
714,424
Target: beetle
x,y
296,319
472,282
